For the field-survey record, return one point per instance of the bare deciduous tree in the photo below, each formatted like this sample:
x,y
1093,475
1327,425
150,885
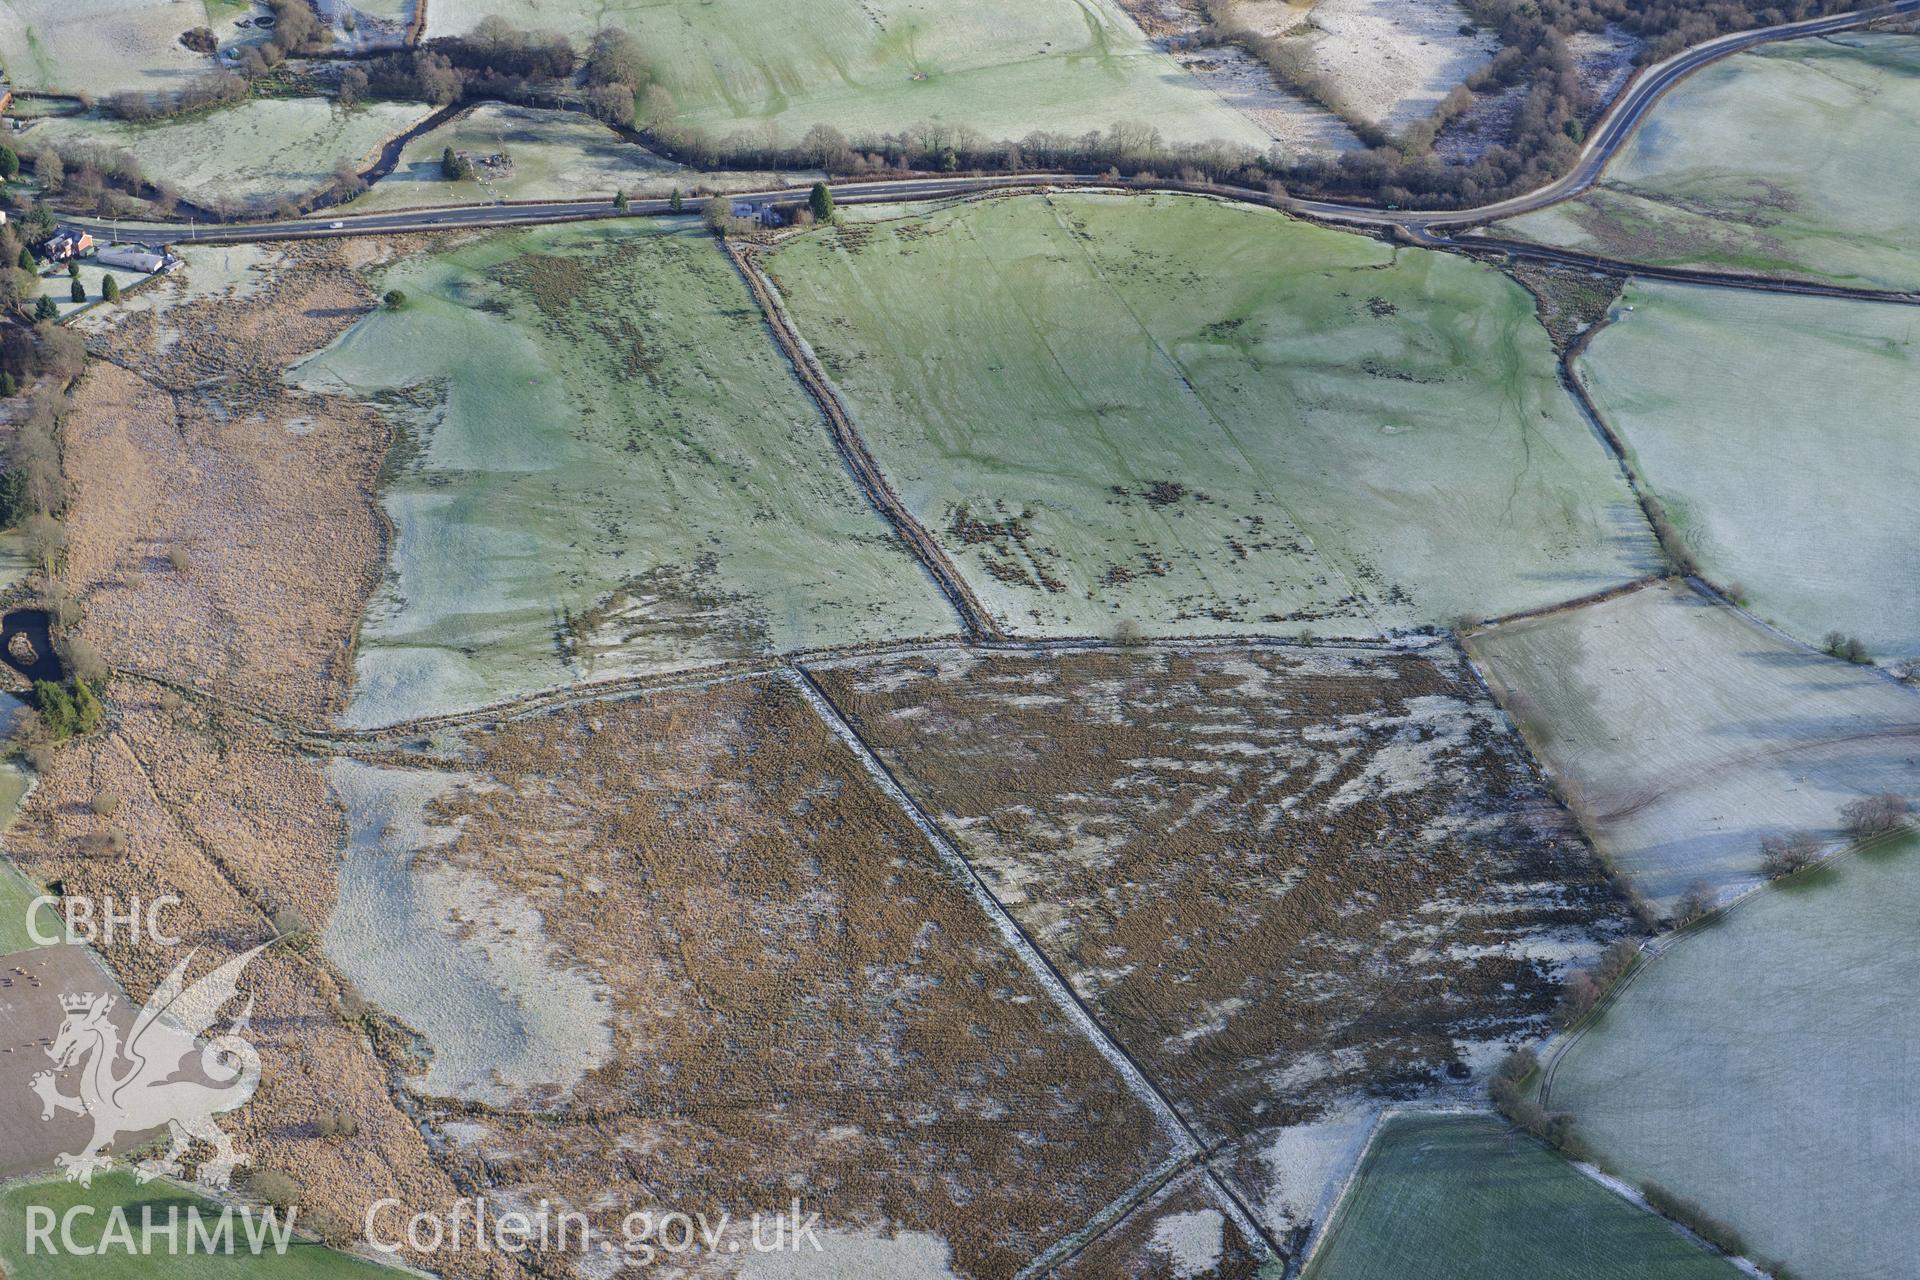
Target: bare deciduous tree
x,y
1783,855
1695,902
1875,815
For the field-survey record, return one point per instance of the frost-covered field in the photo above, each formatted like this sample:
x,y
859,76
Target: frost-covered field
x,y
1392,61
1682,733
1193,417
1764,1067
552,153
1779,433
101,46
252,154
1801,158
606,468
1005,67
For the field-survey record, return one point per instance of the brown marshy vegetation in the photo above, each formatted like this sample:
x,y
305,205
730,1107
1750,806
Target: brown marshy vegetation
x,y
802,996
1284,877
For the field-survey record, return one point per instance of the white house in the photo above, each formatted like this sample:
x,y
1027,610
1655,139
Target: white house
x,y
131,257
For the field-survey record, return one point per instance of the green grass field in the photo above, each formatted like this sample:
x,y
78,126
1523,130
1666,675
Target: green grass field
x,y
1764,1067
16,892
1801,158
1464,1198
1200,417
1006,67
1779,433
1683,734
608,468
252,154
302,1259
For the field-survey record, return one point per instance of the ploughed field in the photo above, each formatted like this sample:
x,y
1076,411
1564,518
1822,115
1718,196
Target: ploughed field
x,y
1467,1196
1181,416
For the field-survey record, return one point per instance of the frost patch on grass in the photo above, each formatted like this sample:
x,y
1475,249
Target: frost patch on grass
x,y
1394,60
1307,1163
451,955
250,154
465,1133
1414,757
1213,1020
1683,734
1192,1242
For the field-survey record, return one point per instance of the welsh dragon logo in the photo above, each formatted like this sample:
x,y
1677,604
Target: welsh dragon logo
x,y
137,1087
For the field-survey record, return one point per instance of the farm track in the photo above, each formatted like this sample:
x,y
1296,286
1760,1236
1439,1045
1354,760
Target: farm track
x,y
1503,248
379,738
920,542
